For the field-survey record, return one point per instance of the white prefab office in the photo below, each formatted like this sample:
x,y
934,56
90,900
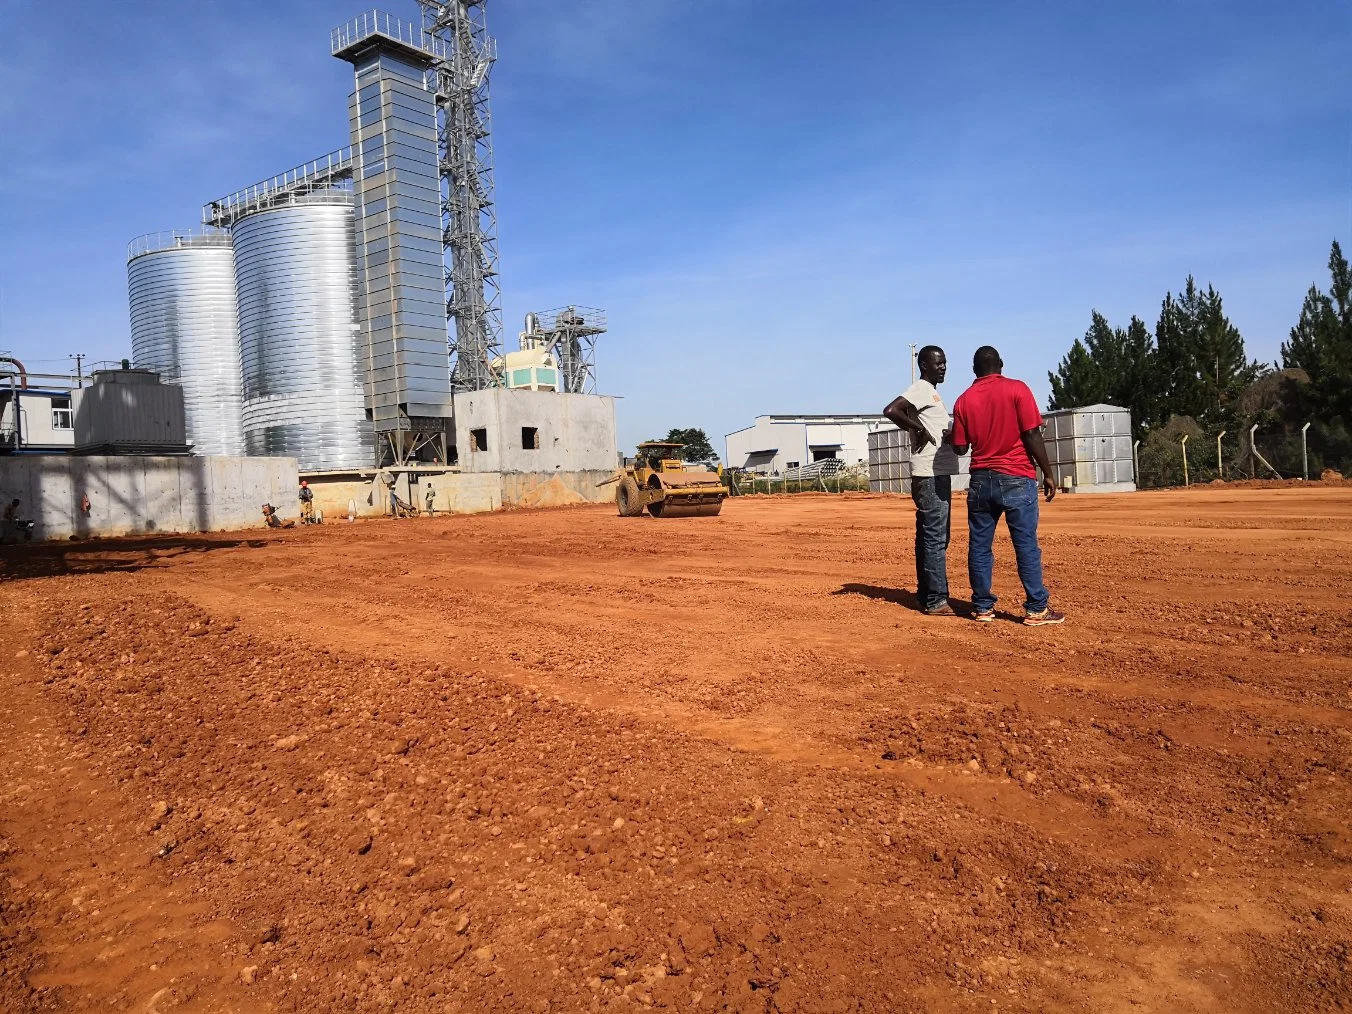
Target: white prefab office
x,y
33,420
774,443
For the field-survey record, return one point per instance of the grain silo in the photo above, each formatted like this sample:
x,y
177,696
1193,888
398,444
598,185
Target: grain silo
x,y
300,346
181,291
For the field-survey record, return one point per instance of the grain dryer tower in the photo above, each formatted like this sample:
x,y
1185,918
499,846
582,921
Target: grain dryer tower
x,y
181,291
452,53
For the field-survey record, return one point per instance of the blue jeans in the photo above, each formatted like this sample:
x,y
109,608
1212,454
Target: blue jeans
x,y
990,495
933,496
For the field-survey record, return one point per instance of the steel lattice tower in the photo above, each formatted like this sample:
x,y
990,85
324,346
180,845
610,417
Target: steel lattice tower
x,y
469,225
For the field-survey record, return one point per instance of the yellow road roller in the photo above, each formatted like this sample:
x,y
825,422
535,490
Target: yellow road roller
x,y
658,482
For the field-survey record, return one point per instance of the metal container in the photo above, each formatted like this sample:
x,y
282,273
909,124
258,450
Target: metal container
x,y
300,346
889,463
181,291
129,412
1091,447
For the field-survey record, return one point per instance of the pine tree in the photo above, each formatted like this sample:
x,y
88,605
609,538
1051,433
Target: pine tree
x,y
1202,366
1321,342
1078,380
1135,384
1223,369
1109,365
1176,345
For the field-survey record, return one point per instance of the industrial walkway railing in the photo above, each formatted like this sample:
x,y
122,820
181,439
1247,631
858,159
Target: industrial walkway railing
x,y
320,174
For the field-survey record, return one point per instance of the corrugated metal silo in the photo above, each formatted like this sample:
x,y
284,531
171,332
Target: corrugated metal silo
x,y
300,346
181,291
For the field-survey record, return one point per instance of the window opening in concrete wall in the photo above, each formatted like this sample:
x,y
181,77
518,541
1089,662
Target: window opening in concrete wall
x,y
530,438
478,440
792,464
62,417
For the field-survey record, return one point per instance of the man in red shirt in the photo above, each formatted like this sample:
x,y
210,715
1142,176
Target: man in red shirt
x,y
998,420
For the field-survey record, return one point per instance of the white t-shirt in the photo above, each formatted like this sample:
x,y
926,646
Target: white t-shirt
x,y
937,458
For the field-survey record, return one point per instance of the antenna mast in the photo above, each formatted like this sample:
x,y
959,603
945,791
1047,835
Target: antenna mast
x,y
469,222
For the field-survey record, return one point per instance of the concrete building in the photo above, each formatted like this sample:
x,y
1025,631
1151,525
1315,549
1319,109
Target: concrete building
x,y
774,443
506,430
36,421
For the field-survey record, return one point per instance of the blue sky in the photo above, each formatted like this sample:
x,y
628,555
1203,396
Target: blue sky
x,y
770,199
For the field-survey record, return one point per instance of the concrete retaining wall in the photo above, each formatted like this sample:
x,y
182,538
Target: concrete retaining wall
x,y
456,492
536,489
134,494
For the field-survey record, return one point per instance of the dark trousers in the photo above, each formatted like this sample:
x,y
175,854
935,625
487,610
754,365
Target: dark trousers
x,y
933,496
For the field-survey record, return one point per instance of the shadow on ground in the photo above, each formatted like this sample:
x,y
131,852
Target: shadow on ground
x,y
908,599
100,556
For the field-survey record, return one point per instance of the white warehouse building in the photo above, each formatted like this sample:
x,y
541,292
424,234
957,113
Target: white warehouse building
x,y
774,443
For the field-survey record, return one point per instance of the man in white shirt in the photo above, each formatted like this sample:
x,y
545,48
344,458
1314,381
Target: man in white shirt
x,y
921,412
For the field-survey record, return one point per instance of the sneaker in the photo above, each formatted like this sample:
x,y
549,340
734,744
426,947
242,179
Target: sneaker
x,y
984,616
1045,618
943,609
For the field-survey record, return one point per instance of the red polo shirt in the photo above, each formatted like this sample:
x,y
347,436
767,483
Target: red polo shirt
x,y
991,415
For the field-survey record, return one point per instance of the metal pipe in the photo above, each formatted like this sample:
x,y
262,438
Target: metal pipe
x,y
23,370
1136,462
1304,452
1184,442
1220,462
1253,452
14,411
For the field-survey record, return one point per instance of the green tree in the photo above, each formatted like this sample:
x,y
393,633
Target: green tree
x,y
1202,365
1175,347
1077,380
1135,387
697,447
1321,343
1109,365
1223,368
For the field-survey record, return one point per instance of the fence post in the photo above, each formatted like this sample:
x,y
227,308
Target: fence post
x,y
1253,452
1220,462
1304,453
1136,462
1184,442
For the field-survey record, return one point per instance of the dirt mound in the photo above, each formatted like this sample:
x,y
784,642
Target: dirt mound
x,y
553,493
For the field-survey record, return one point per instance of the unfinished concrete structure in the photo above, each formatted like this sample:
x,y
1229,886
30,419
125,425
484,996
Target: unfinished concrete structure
x,y
501,430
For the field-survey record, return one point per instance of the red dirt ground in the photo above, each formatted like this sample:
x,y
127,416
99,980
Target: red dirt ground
x,y
559,760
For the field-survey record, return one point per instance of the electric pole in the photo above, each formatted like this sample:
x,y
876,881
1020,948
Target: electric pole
x,y
913,347
79,358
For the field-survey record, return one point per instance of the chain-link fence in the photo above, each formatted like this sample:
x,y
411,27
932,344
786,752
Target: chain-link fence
x,y
847,480
1276,452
